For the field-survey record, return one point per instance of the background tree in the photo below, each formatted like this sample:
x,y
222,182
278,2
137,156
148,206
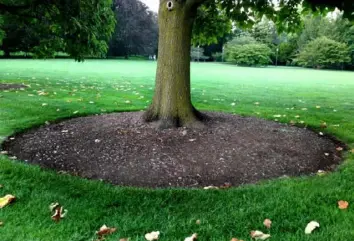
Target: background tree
x,y
136,32
80,28
324,53
197,54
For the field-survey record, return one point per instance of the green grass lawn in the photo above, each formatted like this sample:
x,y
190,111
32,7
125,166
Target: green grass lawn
x,y
64,88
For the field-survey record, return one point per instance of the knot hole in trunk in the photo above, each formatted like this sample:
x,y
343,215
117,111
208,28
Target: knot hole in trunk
x,y
169,5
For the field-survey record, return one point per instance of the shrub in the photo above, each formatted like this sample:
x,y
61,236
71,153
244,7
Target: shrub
x,y
324,53
248,54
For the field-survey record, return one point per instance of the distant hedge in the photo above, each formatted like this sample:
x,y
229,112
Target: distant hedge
x,y
324,53
252,54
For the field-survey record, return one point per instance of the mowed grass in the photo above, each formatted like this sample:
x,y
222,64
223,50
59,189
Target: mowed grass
x,y
64,88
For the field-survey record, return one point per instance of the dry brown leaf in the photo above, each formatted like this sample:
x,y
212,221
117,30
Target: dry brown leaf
x,y
191,238
59,211
6,200
267,222
226,185
258,235
104,230
311,226
152,236
343,204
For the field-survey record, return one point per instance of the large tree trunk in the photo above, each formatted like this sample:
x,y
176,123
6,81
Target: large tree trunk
x,y
171,106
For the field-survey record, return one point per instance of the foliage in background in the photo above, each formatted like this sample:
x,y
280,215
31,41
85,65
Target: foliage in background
x,y
136,32
2,33
285,47
248,54
211,24
80,28
197,54
324,53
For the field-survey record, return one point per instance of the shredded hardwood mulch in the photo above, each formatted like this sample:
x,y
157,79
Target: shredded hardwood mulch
x,y
121,149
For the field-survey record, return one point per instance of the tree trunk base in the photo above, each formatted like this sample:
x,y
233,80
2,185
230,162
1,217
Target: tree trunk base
x,y
194,120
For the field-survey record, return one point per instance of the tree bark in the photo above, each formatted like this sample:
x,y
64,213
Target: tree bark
x,y
171,105
6,53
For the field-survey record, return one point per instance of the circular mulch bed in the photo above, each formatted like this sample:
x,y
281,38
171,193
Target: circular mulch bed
x,y
120,148
12,86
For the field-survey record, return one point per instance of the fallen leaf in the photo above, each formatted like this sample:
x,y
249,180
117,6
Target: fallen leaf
x,y
343,204
152,236
104,230
339,148
323,125
320,133
226,185
191,140
267,222
1,186
124,239
4,153
235,239
1,223
198,222
210,187
6,200
311,226
326,154
352,151
59,211
258,235
191,238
